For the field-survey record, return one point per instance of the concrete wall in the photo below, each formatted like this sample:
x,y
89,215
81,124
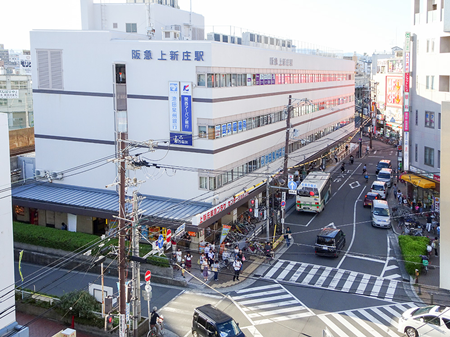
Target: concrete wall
x,y
84,224
8,316
444,270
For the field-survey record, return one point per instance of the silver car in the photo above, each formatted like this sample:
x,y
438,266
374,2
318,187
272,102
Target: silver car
x,y
386,175
430,321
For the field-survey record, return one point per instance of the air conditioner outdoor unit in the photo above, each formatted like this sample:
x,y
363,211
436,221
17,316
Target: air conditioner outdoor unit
x,y
40,173
56,175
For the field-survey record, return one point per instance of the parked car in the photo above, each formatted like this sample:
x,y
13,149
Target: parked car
x,y
380,214
385,163
330,241
386,175
369,197
429,321
209,321
379,187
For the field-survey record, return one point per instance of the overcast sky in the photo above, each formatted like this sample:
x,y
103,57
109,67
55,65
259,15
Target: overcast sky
x,y
346,25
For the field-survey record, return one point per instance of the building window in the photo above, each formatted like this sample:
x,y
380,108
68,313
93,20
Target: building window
x,y
212,183
430,46
202,131
427,84
432,82
429,156
429,119
417,117
439,159
114,25
203,183
416,152
49,69
201,80
131,28
439,120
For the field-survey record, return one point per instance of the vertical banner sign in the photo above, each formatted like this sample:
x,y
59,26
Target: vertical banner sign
x,y
225,230
20,268
407,69
186,106
174,106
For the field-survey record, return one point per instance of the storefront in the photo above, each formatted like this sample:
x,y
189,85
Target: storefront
x,y
422,190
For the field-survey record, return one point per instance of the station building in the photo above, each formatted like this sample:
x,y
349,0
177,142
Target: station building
x,y
216,105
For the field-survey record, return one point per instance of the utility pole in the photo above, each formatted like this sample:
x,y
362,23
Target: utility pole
x,y
286,146
122,167
135,265
267,206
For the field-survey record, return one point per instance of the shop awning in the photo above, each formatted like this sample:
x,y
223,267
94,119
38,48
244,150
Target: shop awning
x,y
418,181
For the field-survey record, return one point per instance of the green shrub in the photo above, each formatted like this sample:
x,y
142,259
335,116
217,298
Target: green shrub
x,y
80,304
72,241
412,247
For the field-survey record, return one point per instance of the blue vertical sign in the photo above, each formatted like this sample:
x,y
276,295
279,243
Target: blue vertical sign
x,y
186,106
174,106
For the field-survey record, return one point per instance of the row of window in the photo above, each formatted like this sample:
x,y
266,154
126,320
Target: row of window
x,y
213,183
227,129
428,158
15,85
429,119
239,80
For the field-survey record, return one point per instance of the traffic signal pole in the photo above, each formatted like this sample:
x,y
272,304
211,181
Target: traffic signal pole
x,y
121,233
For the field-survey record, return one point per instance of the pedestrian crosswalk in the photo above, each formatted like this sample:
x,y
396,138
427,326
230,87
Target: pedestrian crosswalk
x,y
377,321
336,279
270,303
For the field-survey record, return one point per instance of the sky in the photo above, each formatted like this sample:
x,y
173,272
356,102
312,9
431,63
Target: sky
x,y
364,26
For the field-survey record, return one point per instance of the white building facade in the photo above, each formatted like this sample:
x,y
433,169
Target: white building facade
x,y
219,133
430,89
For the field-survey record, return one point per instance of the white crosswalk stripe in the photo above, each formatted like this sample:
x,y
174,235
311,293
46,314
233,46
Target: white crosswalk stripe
x,y
336,279
265,306
373,321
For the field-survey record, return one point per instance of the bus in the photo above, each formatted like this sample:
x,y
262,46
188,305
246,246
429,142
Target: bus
x,y
314,192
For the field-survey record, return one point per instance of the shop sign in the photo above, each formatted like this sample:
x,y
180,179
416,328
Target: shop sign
x,y
437,206
181,138
186,106
173,55
202,217
436,177
174,106
274,61
5,94
225,230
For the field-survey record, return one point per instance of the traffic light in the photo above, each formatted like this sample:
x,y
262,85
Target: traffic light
x,y
108,322
251,205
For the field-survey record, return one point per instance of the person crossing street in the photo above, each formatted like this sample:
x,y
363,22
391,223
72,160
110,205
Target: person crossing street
x,y
237,264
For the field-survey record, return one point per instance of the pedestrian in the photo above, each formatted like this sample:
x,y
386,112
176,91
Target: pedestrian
x,y
174,261
207,249
215,269
183,266
188,259
237,264
435,245
346,148
205,270
288,236
429,222
211,257
395,191
343,167
399,197
201,260
179,256
417,276
335,158
236,252
63,226
438,230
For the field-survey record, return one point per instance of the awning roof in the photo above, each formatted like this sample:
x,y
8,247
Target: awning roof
x,y
104,201
418,181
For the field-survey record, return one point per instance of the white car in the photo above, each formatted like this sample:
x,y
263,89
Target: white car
x,y
427,321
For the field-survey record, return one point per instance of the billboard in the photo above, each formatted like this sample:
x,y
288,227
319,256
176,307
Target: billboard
x,y
25,64
394,94
174,106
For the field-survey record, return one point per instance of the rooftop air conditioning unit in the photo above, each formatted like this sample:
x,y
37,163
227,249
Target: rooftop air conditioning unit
x,y
40,173
57,175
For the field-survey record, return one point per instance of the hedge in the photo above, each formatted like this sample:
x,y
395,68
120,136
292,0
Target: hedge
x,y
72,241
412,247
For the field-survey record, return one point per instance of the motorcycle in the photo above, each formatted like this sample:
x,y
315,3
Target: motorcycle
x,y
424,264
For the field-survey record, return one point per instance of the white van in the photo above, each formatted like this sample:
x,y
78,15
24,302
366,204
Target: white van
x,y
379,187
386,175
380,214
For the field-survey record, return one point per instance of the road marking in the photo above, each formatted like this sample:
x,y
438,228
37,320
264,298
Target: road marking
x,y
391,320
297,274
252,329
337,277
270,305
256,294
274,269
333,326
265,299
363,284
363,324
286,270
349,282
391,289
323,277
376,287
387,258
365,258
310,275
354,184
354,228
393,276
256,288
